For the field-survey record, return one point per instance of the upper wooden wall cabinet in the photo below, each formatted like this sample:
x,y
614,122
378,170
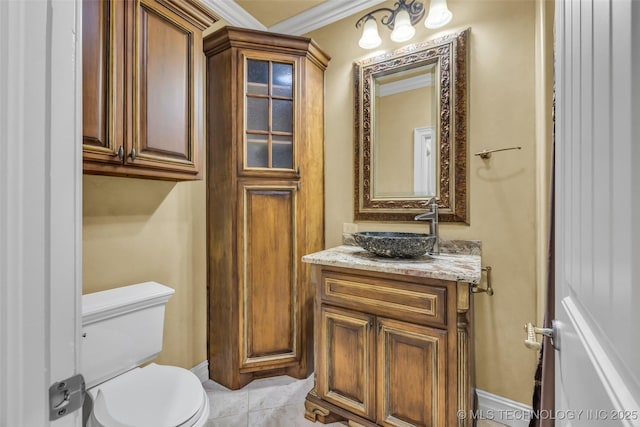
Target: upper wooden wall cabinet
x,y
142,87
265,201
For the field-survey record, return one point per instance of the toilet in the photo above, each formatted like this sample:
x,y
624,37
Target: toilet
x,y
122,329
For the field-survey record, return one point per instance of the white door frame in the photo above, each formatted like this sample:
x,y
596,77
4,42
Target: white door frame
x,y
40,206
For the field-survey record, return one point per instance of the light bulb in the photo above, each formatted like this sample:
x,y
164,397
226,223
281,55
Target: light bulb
x,y
370,38
439,14
402,28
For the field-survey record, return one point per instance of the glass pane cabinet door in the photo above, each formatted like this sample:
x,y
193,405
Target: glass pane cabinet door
x,y
269,120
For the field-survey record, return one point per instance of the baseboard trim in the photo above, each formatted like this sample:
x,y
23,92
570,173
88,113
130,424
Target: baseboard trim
x,y
503,410
201,370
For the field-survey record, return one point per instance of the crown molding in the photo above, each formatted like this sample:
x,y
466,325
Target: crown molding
x,y
324,14
233,14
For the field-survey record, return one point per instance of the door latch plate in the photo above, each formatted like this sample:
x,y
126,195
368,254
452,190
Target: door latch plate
x,y
66,396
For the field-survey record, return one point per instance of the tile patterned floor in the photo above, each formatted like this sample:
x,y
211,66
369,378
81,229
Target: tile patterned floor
x,y
269,402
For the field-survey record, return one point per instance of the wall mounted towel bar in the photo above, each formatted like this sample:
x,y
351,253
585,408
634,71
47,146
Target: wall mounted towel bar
x,y
486,154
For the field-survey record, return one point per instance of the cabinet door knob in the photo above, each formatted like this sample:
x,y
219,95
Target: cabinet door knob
x,y
132,154
120,153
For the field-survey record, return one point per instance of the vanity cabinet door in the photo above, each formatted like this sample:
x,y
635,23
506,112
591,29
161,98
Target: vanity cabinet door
x,y
268,294
346,369
411,374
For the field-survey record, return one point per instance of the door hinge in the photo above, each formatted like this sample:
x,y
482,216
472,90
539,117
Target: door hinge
x,y
66,396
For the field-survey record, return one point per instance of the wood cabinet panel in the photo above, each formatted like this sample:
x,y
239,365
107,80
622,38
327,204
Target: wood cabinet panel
x,y
269,292
345,376
168,73
165,64
95,45
102,80
420,304
412,374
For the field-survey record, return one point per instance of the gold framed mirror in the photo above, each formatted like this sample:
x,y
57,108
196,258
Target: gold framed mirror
x,y
411,131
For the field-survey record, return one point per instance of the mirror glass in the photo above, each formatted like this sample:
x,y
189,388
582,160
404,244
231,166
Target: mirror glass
x,y
403,151
410,128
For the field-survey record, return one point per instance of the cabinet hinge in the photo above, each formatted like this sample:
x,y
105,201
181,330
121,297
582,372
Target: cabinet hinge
x,y
66,396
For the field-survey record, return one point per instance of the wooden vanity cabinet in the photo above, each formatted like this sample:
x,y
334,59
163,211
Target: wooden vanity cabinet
x,y
391,350
265,201
142,87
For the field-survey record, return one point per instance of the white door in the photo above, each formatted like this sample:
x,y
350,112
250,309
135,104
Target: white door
x,y
424,162
40,211
598,212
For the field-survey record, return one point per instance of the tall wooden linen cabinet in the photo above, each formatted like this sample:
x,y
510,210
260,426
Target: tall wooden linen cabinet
x,y
265,201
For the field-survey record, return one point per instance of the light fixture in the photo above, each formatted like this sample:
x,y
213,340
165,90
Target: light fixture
x,y
370,38
401,21
439,14
402,30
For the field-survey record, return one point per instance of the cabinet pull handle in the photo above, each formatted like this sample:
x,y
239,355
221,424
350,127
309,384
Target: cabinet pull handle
x,y
379,328
298,185
132,155
120,153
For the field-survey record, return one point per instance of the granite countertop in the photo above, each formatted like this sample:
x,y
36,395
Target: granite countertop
x,y
462,267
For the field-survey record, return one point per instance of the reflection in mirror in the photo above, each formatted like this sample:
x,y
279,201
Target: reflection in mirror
x,y
404,125
411,131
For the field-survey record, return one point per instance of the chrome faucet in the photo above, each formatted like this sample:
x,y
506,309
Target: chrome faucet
x,y
432,217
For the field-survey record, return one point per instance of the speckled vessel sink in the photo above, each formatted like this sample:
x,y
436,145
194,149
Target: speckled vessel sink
x,y
395,244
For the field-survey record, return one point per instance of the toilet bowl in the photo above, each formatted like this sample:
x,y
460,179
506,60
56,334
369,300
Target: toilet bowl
x,y
122,330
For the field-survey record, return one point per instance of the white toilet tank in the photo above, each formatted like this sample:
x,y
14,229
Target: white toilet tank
x,y
122,329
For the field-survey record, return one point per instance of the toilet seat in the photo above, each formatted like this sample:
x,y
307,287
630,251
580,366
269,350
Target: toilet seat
x,y
154,396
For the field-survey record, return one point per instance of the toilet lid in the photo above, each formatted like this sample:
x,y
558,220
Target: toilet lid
x,y
154,396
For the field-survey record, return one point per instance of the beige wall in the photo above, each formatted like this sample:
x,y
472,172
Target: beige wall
x,y
137,230
502,190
